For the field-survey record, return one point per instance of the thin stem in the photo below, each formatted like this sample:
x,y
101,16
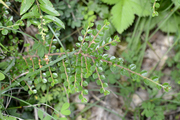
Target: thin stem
x,y
98,75
66,74
96,35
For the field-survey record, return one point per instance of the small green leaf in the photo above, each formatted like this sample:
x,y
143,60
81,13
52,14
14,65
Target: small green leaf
x,y
87,75
106,92
85,83
112,58
2,77
25,5
100,69
4,31
80,96
98,26
157,5
155,78
80,38
114,43
106,27
167,87
93,68
105,85
98,82
89,31
108,40
95,75
146,82
105,56
101,90
144,73
94,32
65,106
158,87
66,112
132,67
102,77
120,61
84,100
55,75
83,32
78,44
85,91
56,20
44,80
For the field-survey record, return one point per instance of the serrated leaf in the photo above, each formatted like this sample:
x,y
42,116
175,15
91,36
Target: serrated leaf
x,y
56,20
122,15
25,5
171,25
49,10
124,10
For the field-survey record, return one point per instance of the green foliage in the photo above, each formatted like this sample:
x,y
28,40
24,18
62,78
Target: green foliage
x,y
123,12
49,72
150,110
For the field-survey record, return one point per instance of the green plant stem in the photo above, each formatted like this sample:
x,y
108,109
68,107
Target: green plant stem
x,y
3,47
